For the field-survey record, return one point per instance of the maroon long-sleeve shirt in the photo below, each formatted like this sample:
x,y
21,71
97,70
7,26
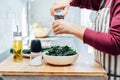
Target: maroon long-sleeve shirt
x,y
106,42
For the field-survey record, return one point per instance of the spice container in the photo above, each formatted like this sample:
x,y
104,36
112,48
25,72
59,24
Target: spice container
x,y
35,57
17,47
59,14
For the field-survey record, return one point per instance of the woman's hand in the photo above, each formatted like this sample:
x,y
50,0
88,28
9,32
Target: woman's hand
x,y
63,27
60,4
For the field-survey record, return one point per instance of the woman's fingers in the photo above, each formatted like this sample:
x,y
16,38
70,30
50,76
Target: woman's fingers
x,y
55,23
55,7
52,10
57,27
57,30
66,10
59,5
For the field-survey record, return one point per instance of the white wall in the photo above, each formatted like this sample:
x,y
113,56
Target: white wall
x,y
8,10
40,12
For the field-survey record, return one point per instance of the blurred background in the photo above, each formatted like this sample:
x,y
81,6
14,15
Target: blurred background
x,y
26,12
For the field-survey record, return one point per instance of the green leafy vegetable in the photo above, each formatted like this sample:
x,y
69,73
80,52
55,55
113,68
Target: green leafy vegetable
x,y
60,51
25,51
53,51
1,78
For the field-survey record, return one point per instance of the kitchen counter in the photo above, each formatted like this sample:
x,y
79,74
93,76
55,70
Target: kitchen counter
x,y
85,68
81,68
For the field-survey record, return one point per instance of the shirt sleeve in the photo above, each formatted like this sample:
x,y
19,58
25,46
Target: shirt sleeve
x,y
106,42
89,4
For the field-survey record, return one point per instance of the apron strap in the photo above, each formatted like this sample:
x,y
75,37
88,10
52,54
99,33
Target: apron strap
x,y
102,4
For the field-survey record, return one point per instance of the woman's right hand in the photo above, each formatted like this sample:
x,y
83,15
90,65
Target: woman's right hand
x,y
60,4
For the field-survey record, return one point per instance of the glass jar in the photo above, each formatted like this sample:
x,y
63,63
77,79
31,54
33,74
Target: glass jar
x,y
59,14
17,47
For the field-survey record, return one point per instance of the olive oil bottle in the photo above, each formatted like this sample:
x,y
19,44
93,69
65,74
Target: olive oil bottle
x,y
17,47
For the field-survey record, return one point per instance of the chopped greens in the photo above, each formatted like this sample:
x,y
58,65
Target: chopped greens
x,y
54,51
1,78
60,51
25,51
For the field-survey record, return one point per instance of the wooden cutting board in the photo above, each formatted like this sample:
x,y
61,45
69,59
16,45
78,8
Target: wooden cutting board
x,y
80,68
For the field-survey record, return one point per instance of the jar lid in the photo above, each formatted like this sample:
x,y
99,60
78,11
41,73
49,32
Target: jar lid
x,y
36,46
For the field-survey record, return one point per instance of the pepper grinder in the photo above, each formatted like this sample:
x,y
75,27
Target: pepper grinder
x,y
59,14
35,57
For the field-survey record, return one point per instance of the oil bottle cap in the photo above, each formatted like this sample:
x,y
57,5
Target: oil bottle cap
x,y
17,33
36,45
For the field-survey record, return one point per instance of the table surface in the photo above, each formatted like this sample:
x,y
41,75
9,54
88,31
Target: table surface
x,y
82,67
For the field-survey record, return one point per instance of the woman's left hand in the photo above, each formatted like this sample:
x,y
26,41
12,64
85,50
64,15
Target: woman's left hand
x,y
63,27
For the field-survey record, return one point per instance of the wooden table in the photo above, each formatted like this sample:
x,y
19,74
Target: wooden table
x,y
79,68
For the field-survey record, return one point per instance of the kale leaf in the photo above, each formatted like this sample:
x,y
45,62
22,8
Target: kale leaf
x,y
60,51
54,51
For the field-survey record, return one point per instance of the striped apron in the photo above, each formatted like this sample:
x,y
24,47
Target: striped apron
x,y
109,62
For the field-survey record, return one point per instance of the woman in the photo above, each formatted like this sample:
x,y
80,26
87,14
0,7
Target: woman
x,y
106,36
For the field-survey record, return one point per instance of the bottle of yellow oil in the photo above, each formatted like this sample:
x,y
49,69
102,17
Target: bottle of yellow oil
x,y
17,47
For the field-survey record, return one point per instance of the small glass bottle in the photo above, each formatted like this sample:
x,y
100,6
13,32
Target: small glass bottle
x,y
59,14
17,47
35,58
